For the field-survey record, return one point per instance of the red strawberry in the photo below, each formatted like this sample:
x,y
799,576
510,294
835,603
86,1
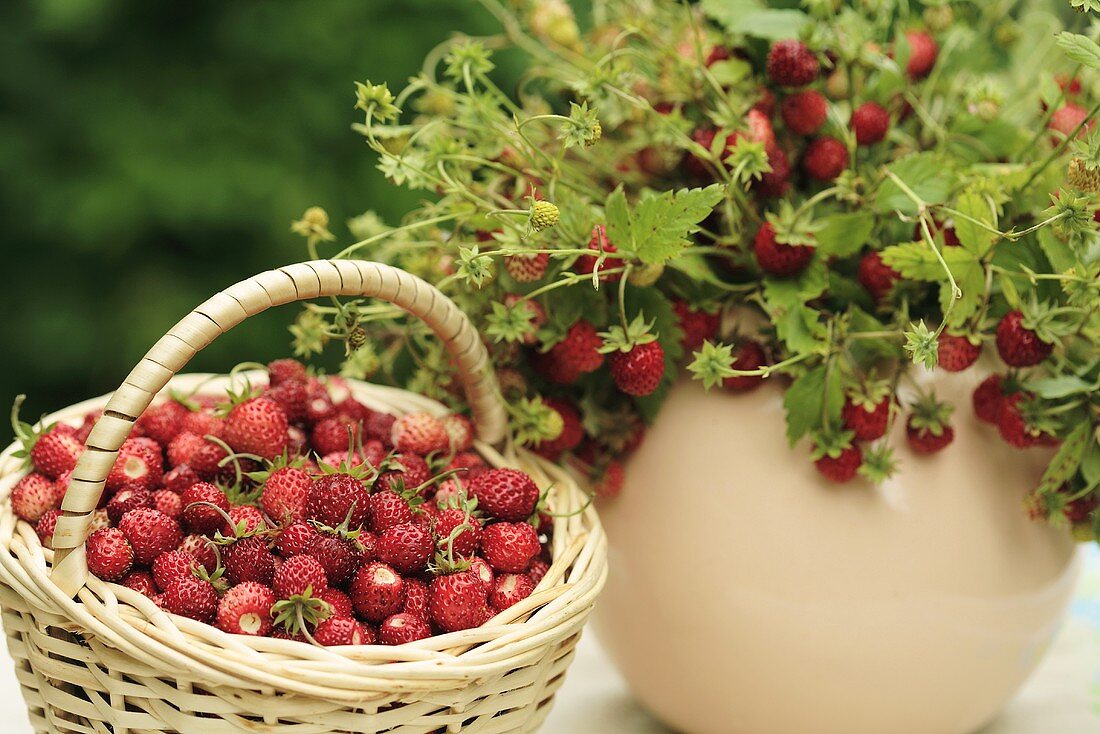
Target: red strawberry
x,y
867,420
141,582
257,426
407,548
537,570
510,589
927,429
335,498
639,371
389,509
163,422
1013,425
922,54
1018,345
843,466
192,597
572,432
379,426
202,549
296,539
1066,119
56,452
506,494
334,434
293,397
403,627
749,355
876,276
988,399
339,557
510,547
527,267
413,472
300,576
34,495
138,463
598,242
336,631
792,64
377,592
179,478
870,122
416,598
804,112
776,257
467,541
193,451
697,324
246,610
202,423
110,555
171,566
339,601
201,518
168,502
957,352
150,533
483,571
128,498
285,493
248,559
777,181
579,350
610,483
458,601
46,526
825,158
419,433
285,370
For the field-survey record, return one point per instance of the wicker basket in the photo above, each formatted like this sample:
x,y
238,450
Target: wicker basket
x,y
92,656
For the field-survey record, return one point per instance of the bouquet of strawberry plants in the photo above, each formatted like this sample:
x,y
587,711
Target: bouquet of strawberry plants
x,y
831,194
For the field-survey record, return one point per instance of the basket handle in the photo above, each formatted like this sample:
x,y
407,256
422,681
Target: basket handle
x,y
221,313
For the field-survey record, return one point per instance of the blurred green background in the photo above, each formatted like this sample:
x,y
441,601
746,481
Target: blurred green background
x,y
153,153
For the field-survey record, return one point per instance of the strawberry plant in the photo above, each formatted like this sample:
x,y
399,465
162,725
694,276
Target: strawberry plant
x,y
827,194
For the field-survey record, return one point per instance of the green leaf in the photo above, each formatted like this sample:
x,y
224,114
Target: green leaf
x,y
658,227
970,277
1081,49
1059,253
1090,463
972,236
816,395
752,18
1067,459
926,174
1062,386
842,235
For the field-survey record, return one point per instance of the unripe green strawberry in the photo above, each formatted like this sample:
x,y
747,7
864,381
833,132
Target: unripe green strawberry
x,y
544,215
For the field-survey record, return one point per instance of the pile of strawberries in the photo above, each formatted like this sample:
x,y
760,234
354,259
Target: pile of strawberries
x,y
295,511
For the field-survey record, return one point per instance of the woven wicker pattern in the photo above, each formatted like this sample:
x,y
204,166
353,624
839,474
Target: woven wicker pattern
x,y
112,661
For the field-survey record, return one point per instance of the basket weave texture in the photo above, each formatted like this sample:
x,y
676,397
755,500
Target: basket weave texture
x,y
92,656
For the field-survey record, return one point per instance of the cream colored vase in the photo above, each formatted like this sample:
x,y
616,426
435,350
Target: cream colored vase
x,y
747,595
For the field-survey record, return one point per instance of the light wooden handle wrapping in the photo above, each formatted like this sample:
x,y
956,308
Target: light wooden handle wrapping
x,y
221,313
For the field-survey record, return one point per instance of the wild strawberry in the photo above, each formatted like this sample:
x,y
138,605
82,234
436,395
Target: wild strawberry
x,y
927,429
527,267
988,399
202,423
319,405
413,471
296,539
110,555
407,548
128,498
150,533
416,598
697,324
599,243
1013,425
876,276
639,371
248,559
776,257
483,572
380,426
610,482
87,425
246,610
138,463
334,434
257,426
572,432
300,576
172,565
838,461
163,422
464,542
506,494
191,597
749,355
34,495
202,549
509,547
1066,120
141,582
867,413
285,370
179,478
339,601
285,493
335,498
403,627
339,557
458,601
168,502
56,452
195,452
420,433
922,54
957,352
825,158
792,64
579,350
1019,345
376,592
870,122
537,570
460,431
46,526
293,397
510,589
336,631
804,112
389,509
776,182
201,518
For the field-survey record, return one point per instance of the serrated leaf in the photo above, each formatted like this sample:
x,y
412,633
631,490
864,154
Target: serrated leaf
x,y
1068,457
798,327
973,236
1081,49
842,235
927,174
752,18
803,403
657,228
970,278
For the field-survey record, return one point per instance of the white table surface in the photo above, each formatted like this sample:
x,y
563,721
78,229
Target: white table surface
x,y
1063,697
